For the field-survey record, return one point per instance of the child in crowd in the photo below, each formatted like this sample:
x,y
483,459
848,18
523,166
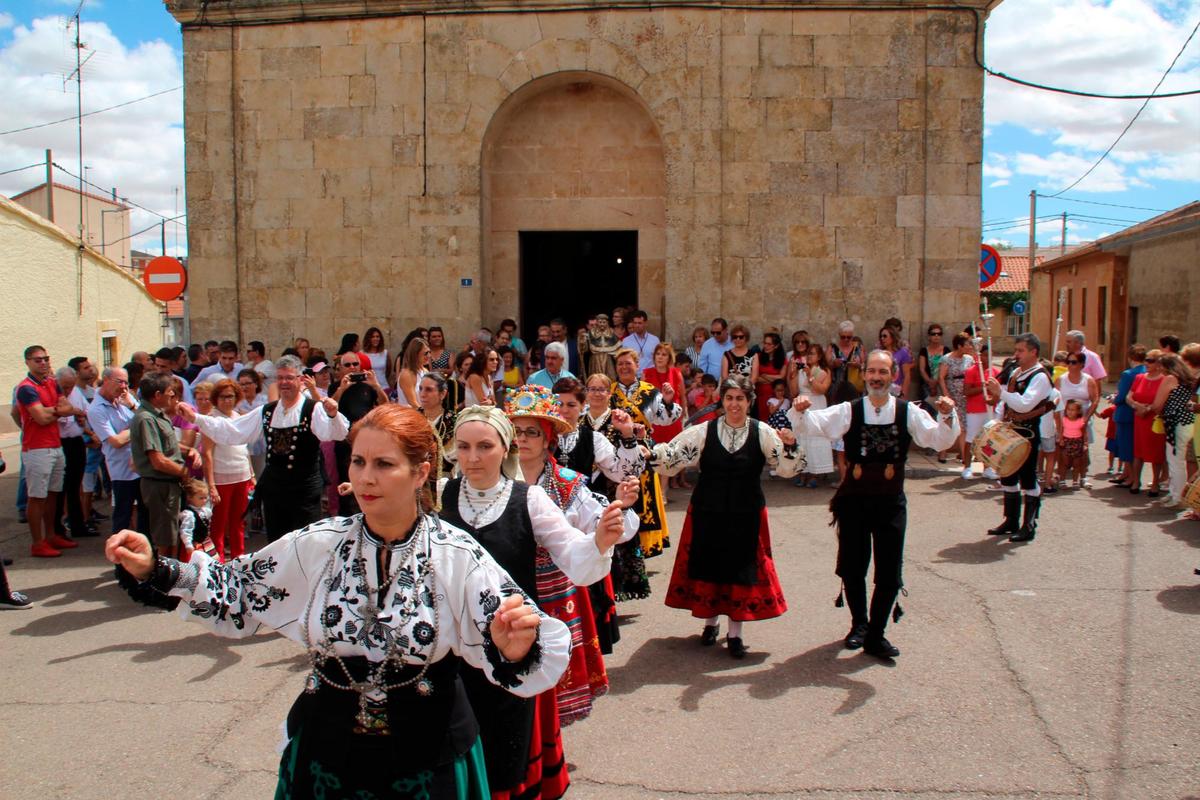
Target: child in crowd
x,y
92,480
1060,365
195,521
1110,438
1073,444
1048,459
709,405
696,393
778,406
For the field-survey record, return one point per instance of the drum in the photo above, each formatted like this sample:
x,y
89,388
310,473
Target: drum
x,y
1191,495
1002,447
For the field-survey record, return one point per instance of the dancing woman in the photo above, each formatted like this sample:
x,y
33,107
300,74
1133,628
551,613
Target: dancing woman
x,y
534,413
380,601
724,564
521,738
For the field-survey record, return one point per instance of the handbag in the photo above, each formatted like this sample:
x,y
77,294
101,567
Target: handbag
x,y
1158,427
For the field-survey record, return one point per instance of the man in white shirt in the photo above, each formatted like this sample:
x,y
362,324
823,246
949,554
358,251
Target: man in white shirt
x,y
1027,397
640,341
256,359
291,485
227,365
870,506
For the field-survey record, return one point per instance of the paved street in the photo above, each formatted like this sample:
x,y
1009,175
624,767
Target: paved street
x,y
1063,668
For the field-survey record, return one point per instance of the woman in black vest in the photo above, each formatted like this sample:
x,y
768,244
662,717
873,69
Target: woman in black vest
x,y
521,739
382,602
724,565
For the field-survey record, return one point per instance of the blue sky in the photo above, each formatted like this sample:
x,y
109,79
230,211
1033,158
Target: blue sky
x,y
1033,140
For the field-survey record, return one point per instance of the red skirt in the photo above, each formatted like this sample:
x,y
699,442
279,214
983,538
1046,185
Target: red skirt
x,y
763,600
546,776
585,677
1148,446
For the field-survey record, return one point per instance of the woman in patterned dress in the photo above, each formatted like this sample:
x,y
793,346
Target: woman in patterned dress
x,y
380,601
724,564
952,376
537,421
739,360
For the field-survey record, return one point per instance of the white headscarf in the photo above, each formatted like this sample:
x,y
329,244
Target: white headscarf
x,y
495,417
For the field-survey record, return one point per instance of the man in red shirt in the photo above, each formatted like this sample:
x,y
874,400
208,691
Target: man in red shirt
x,y
41,406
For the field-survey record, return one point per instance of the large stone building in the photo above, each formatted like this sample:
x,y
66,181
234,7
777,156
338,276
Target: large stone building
x,y
405,162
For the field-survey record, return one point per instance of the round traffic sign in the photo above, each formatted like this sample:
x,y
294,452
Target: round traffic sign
x,y
1018,308
989,266
165,278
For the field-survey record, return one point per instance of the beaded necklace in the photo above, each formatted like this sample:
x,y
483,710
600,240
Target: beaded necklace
x,y
478,512
374,682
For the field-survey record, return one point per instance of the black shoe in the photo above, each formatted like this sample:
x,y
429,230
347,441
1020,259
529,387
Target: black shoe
x,y
21,518
7,561
709,636
88,531
14,601
1029,524
880,647
737,648
1012,513
96,515
856,636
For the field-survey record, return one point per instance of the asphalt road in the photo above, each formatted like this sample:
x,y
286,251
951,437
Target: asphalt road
x,y
1064,668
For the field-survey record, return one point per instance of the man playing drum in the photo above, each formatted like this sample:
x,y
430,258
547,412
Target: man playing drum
x,y
870,507
1026,400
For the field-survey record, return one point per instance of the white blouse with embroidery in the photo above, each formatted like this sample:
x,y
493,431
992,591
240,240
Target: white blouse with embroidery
x,y
685,449
574,551
615,463
319,586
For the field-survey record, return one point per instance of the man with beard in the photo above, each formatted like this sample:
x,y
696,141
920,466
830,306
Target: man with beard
x,y
870,508
293,427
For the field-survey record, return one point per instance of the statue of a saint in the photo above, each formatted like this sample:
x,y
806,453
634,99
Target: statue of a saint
x,y
598,346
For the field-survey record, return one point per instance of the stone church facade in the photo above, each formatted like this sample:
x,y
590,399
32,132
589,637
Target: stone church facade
x,y
351,163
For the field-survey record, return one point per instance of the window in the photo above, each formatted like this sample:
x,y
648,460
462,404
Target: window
x,y
1102,316
1083,307
1015,325
108,349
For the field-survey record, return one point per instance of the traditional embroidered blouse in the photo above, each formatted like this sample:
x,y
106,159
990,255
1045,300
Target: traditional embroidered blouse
x,y
323,578
645,403
584,507
614,463
685,449
573,551
834,422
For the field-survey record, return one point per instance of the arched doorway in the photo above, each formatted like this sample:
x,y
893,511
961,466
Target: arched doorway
x,y
574,190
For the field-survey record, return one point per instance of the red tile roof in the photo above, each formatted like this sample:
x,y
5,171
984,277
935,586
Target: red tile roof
x,y
1177,220
1014,273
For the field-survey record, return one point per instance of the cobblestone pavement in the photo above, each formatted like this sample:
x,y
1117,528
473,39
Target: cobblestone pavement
x,y
1062,668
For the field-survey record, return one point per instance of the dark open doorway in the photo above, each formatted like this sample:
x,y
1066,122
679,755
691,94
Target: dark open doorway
x,y
575,274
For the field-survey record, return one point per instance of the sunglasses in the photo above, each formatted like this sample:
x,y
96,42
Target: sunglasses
x,y
846,338
739,336
716,333
935,333
1073,361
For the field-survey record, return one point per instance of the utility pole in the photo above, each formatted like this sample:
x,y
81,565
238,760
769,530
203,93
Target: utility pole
x,y
162,228
1062,248
50,184
1032,244
78,76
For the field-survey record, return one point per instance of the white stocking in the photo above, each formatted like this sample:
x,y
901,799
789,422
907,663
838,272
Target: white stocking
x,y
735,629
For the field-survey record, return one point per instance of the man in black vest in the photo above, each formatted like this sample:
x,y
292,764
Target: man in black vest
x,y
1026,399
869,507
291,485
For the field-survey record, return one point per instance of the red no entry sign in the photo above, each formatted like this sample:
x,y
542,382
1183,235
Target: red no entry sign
x,y
165,278
989,266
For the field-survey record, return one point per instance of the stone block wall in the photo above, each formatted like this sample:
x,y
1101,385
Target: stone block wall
x,y
816,165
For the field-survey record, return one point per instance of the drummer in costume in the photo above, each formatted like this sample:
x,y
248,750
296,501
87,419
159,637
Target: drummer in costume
x,y
869,508
290,488
382,602
534,413
522,742
648,406
1026,398
591,454
724,564
628,575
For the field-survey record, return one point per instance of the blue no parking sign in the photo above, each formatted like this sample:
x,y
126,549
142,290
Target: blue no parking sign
x,y
989,266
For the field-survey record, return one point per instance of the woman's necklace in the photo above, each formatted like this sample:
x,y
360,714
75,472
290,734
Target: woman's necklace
x,y
375,680
737,435
481,510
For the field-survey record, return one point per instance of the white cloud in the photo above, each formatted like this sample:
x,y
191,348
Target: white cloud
x,y
6,20
1117,47
1059,169
137,149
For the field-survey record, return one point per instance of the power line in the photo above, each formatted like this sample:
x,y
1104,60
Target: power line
x,y
1098,203
103,189
1135,116
144,230
90,113
22,169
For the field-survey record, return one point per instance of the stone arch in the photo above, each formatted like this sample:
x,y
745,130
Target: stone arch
x,y
572,150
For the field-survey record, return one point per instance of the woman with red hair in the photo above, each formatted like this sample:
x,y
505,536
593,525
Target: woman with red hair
x,y
380,601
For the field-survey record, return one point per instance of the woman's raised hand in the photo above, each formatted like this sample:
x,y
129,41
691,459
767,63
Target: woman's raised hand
x,y
132,551
514,628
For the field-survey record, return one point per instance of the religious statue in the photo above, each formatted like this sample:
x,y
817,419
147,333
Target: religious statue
x,y
599,345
